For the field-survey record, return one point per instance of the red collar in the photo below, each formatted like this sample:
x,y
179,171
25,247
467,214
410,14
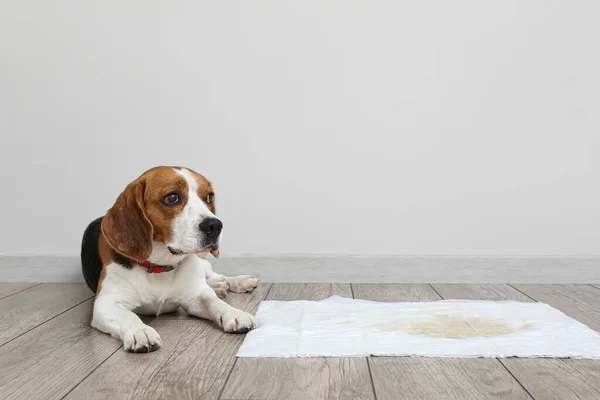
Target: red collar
x,y
155,268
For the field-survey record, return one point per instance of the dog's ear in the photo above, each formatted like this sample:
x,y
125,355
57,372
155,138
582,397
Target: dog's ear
x,y
126,227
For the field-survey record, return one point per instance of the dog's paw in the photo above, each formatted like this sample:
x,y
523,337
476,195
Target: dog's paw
x,y
242,283
220,285
141,340
236,321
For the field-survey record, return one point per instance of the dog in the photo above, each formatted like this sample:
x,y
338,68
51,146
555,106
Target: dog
x,y
147,255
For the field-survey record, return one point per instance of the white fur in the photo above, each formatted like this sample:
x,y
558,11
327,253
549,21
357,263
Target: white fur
x,y
223,284
125,292
186,235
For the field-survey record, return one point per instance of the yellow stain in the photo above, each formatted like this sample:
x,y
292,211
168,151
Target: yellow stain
x,y
454,326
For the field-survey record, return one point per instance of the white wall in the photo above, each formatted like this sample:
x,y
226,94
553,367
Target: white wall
x,y
461,127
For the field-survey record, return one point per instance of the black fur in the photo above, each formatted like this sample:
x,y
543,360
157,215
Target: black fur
x,y
91,264
119,258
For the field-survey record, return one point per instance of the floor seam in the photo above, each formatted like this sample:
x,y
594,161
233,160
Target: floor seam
x,y
227,379
46,321
523,293
515,378
236,358
92,371
371,377
22,290
268,292
594,286
436,292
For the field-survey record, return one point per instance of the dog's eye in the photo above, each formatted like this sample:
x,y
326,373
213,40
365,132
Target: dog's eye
x,y
209,198
171,199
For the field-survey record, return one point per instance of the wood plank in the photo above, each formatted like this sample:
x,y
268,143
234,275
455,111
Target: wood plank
x,y
193,363
443,378
300,378
390,292
480,292
7,289
308,291
51,359
562,378
249,301
581,302
27,309
555,378
434,378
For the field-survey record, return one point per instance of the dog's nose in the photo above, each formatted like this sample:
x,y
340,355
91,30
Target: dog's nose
x,y
211,226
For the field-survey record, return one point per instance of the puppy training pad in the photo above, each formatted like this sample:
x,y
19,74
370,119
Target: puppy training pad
x,y
341,327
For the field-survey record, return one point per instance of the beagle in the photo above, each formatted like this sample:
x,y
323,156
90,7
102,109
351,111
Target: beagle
x,y
147,255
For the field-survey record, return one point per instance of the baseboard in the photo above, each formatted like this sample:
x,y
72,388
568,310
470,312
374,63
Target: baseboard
x,y
365,269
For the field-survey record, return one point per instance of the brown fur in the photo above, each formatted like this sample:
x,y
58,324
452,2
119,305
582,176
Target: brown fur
x,y
204,189
126,226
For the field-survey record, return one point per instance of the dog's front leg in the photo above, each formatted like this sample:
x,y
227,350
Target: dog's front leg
x,y
202,301
223,284
112,315
242,283
208,306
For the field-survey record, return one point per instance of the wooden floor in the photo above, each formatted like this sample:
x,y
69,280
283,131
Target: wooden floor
x,y
49,351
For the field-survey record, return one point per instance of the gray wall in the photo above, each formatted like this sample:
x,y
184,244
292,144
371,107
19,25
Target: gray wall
x,y
356,127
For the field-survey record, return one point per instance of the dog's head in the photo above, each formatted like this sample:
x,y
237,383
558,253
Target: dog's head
x,y
170,205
